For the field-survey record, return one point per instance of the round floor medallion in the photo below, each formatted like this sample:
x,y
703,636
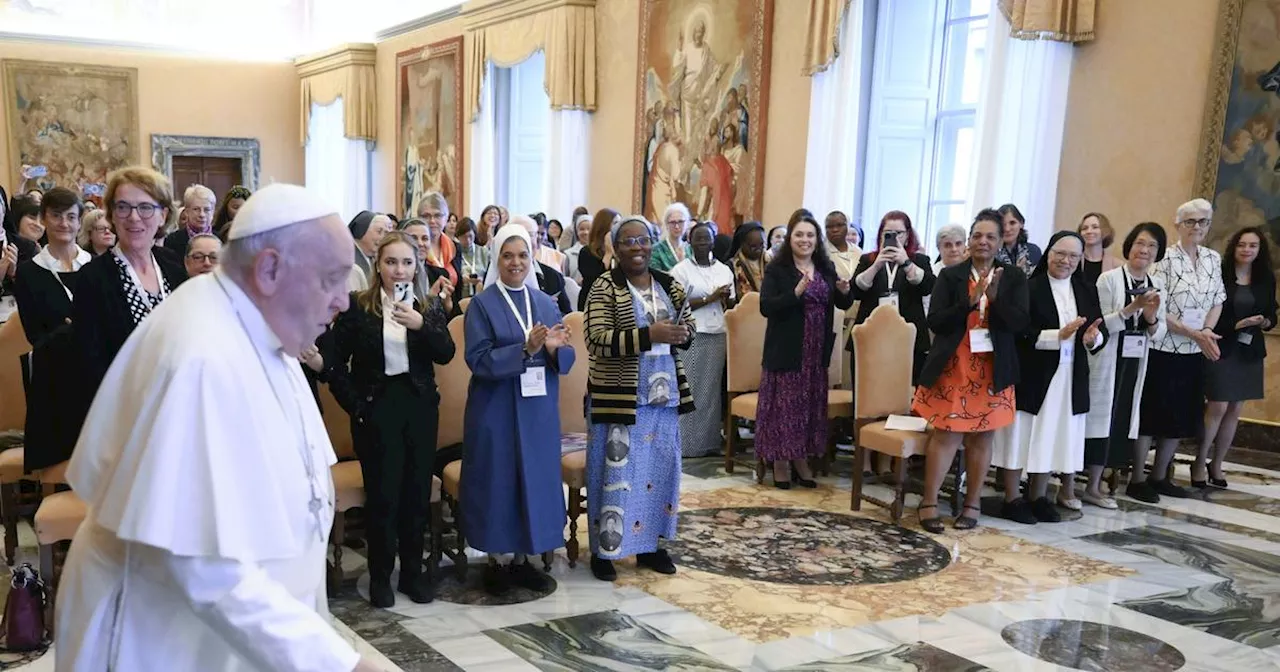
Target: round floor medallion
x,y
1093,647
450,589
800,546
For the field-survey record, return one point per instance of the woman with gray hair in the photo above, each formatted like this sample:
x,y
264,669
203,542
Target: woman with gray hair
x,y
1173,397
950,241
671,248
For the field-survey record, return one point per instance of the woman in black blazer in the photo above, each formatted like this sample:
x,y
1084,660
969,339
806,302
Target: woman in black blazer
x,y
597,256
1048,433
798,296
966,383
43,290
1249,310
896,273
381,373
116,291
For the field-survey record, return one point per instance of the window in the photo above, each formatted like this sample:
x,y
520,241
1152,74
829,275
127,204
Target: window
x,y
336,166
954,158
521,107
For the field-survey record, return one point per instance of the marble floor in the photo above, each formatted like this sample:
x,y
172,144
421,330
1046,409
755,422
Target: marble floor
x,y
793,580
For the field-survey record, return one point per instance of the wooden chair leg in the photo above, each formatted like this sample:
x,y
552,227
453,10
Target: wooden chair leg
x,y
855,499
730,438
955,493
1113,482
899,490
761,465
51,587
9,512
571,547
336,535
546,560
437,537
460,560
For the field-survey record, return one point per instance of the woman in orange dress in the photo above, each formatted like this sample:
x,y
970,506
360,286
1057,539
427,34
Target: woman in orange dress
x,y
966,383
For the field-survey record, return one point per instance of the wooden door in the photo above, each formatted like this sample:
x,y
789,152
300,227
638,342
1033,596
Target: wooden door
x,y
216,172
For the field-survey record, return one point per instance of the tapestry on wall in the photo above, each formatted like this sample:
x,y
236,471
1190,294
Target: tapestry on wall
x,y
69,124
1239,167
703,89
429,124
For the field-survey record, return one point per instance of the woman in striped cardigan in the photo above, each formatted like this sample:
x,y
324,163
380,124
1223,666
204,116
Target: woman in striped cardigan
x,y
637,319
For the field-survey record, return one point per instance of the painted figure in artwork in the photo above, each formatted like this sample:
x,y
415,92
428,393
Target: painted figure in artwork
x,y
413,190
715,186
664,179
696,75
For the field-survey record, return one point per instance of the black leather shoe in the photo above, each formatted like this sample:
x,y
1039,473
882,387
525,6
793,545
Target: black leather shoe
x,y
380,593
1143,492
1219,483
1019,511
1044,511
497,580
659,561
603,569
418,589
1168,488
526,576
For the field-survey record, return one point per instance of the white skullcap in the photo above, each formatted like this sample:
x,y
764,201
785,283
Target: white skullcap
x,y
277,206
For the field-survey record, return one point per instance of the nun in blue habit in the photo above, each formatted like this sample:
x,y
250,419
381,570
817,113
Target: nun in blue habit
x,y
517,347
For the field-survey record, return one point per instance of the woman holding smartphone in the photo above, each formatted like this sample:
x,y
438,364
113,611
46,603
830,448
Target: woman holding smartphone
x,y
896,274
381,373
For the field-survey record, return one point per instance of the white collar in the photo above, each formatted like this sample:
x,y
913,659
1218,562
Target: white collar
x,y
45,259
260,332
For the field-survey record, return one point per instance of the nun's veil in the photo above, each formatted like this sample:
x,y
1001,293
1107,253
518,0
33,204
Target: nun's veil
x,y
507,232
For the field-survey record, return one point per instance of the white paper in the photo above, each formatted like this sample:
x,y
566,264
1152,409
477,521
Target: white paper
x,y
1133,346
1193,318
8,306
980,340
906,423
1244,337
659,350
533,382
890,300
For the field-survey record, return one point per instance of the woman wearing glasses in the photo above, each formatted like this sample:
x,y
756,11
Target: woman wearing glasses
x,y
1173,396
118,290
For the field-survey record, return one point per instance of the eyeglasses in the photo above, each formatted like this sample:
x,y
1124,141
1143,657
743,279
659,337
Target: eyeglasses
x,y
636,241
122,210
432,216
201,257
1069,256
1202,223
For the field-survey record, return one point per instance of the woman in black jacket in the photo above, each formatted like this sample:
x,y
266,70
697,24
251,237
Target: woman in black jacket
x,y
1236,377
966,383
896,273
597,257
380,372
1048,431
798,297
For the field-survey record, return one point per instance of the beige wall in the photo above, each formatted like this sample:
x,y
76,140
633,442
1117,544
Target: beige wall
x,y
1134,112
187,96
384,155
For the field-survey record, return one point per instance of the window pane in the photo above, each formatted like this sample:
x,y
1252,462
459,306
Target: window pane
x,y
940,215
953,157
963,63
964,8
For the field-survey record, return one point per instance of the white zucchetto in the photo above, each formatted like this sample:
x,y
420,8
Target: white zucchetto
x,y
276,206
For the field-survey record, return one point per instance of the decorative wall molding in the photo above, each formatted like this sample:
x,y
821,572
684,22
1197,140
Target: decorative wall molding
x,y
420,22
248,150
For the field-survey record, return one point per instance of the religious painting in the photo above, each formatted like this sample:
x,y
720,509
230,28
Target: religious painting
x,y
702,94
1239,167
429,125
69,124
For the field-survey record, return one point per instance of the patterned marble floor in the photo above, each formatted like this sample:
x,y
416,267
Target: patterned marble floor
x,y
794,580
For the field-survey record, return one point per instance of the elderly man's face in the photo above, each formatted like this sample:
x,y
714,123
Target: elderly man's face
x,y
310,286
202,256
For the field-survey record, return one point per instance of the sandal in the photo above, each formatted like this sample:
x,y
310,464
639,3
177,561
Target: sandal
x,y
967,522
932,525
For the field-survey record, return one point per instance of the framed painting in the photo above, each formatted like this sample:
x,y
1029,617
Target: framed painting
x,y
702,94
69,124
429,125
1239,164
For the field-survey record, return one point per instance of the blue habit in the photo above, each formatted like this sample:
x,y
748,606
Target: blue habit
x,y
511,492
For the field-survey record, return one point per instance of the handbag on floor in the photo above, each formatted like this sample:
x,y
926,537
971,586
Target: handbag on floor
x,y
23,624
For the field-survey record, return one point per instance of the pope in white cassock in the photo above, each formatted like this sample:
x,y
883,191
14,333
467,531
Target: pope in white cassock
x,y
205,465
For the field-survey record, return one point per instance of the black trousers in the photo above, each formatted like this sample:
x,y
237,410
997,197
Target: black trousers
x,y
396,447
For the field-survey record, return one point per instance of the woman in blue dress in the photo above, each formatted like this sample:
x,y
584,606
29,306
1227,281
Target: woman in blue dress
x,y
636,320
517,348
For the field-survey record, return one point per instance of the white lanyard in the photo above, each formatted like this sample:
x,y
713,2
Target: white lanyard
x,y
526,327
892,271
652,299
706,274
137,281
982,300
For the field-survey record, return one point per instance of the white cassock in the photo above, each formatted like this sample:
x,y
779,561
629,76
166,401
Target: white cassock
x,y
204,546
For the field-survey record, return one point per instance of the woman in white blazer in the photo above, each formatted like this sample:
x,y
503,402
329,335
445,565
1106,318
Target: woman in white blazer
x,y
1134,314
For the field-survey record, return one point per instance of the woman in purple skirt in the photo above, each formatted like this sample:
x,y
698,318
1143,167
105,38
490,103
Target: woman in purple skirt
x,y
798,297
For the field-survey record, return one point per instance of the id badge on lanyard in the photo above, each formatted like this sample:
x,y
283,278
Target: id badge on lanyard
x,y
980,339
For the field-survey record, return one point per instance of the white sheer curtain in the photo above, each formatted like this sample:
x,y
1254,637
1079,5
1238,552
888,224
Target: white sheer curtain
x,y
1020,121
568,152
483,169
830,177
337,167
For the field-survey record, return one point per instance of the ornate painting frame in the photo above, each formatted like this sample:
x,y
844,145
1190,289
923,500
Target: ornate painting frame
x,y
123,123
248,150
748,195
454,193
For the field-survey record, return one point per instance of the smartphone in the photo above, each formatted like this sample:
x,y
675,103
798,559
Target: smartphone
x,y
891,239
402,291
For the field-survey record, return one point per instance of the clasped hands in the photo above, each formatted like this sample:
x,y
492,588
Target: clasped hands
x,y
807,276
988,285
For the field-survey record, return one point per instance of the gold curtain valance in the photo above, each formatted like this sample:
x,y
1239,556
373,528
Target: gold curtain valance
x,y
506,32
1057,20
822,44
347,71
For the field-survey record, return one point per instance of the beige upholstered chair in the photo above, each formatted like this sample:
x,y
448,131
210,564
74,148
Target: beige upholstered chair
x,y
744,345
57,520
13,416
573,386
884,351
464,304
452,380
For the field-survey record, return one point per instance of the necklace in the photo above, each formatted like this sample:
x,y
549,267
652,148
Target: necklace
x,y
315,504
